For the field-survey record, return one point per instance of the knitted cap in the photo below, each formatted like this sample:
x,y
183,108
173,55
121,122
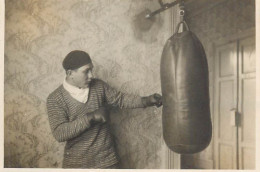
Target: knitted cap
x,y
76,59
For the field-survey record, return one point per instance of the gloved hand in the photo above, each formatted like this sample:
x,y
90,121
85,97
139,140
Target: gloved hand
x,y
153,100
98,115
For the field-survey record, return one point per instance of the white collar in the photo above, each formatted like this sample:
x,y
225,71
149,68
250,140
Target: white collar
x,y
71,88
80,94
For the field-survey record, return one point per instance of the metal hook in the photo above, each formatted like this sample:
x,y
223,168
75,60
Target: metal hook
x,y
163,7
182,10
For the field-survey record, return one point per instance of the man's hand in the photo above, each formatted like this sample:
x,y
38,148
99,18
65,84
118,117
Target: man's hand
x,y
98,115
153,100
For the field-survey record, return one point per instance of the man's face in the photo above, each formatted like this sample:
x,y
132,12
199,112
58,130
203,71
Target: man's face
x,y
82,76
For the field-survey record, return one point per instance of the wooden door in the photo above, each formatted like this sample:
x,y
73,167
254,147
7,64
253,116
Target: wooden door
x,y
234,130
246,103
225,134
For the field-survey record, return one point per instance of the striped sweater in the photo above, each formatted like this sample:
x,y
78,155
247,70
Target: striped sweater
x,y
87,145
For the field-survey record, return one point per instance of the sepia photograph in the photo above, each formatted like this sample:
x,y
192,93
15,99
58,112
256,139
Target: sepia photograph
x,y
130,84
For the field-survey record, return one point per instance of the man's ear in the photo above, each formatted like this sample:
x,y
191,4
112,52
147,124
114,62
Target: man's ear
x,y
68,72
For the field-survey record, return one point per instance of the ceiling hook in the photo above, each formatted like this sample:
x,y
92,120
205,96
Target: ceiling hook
x,y
182,10
164,6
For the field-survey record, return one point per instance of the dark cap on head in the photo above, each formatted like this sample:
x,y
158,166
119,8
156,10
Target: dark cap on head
x,y
76,59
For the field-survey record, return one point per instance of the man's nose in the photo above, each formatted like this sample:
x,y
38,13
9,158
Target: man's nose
x,y
90,75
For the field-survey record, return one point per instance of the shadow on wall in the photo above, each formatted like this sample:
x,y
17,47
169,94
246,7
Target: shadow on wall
x,y
146,30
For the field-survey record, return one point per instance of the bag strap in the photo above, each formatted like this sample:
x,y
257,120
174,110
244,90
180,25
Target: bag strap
x,y
185,24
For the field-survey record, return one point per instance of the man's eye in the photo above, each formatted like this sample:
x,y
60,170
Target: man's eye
x,y
87,71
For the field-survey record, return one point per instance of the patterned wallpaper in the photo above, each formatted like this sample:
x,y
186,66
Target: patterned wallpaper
x,y
126,51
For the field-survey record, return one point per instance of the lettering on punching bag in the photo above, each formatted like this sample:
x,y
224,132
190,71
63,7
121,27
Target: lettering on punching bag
x,y
186,117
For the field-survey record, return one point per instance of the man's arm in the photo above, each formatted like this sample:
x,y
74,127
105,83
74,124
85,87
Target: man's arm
x,y
123,100
63,129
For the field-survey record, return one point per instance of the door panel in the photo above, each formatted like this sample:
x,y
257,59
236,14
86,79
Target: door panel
x,y
248,110
248,158
226,156
226,132
247,49
225,100
246,103
226,62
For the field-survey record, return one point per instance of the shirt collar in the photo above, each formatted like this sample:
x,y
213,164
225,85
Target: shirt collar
x,y
72,89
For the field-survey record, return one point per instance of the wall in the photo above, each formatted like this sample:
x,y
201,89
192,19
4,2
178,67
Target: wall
x,y
126,51
213,22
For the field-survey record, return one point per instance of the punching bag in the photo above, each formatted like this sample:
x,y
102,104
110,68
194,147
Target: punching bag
x,y
186,118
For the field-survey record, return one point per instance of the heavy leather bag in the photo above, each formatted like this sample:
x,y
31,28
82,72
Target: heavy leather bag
x,y
186,117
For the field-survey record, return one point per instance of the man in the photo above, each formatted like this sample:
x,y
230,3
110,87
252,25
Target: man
x,y
77,114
